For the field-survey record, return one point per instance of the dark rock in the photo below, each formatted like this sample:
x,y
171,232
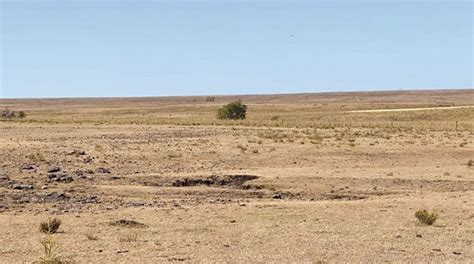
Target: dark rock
x,y
77,152
127,223
59,177
103,170
228,180
89,199
3,177
53,169
277,196
88,159
54,197
27,166
21,186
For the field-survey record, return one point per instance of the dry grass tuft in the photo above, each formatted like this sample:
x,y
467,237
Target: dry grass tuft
x,y
50,255
129,237
50,226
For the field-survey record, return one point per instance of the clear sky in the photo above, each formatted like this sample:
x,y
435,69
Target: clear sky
x,y
66,48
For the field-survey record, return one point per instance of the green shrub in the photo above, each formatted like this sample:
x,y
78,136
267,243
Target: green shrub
x,y
426,217
232,110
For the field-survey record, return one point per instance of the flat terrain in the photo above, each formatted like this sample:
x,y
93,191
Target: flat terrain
x,y
303,179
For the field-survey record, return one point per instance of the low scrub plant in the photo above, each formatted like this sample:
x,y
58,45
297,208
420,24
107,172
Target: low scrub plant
x,y
232,110
425,217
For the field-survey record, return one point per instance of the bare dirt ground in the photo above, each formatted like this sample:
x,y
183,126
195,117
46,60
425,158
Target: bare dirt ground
x,y
300,180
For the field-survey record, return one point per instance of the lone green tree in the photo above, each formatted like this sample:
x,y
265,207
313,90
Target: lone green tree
x,y
232,110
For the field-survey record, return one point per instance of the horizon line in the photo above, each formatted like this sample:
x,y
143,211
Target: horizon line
x,y
230,95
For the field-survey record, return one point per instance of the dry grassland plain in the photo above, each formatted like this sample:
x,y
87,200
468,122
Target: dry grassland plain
x,y
305,178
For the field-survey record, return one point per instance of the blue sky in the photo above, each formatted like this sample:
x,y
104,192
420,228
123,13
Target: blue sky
x,y
157,48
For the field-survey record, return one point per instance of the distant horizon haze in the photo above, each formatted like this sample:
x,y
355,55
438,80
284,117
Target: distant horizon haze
x,y
244,95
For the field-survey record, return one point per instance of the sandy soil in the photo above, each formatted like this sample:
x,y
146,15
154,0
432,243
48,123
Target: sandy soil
x,y
235,192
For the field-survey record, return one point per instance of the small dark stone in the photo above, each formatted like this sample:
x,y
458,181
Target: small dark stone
x,y
127,223
4,177
103,170
77,152
21,186
419,236
27,166
53,169
59,177
277,196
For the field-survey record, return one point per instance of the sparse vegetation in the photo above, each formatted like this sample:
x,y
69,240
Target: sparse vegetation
x,y
36,157
232,110
131,236
174,183
50,254
50,226
9,114
426,218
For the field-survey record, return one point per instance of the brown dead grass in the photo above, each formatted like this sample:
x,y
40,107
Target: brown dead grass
x,y
319,184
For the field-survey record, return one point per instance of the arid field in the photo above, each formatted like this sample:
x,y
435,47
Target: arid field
x,y
305,178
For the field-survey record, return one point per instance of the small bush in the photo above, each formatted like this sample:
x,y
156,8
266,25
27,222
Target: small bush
x,y
21,114
50,226
12,114
232,110
426,217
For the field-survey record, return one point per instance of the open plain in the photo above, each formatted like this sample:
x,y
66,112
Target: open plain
x,y
305,178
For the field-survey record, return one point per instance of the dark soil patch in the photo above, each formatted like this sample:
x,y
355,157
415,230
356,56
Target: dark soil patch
x,y
228,180
128,223
344,197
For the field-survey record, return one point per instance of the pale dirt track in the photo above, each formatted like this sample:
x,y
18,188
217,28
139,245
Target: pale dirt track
x,y
411,109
